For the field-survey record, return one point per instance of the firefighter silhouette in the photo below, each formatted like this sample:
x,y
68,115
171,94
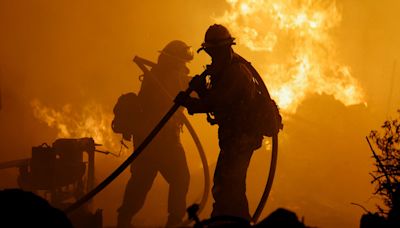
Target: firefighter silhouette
x,y
165,155
232,99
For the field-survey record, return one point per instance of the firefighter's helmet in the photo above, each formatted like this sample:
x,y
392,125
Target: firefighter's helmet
x,y
216,36
178,50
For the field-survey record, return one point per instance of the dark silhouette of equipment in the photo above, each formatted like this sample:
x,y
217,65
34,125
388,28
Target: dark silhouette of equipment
x,y
62,173
60,170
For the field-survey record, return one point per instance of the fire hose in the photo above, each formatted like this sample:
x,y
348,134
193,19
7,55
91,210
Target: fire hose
x,y
193,210
271,175
272,167
142,63
274,154
203,158
132,157
147,141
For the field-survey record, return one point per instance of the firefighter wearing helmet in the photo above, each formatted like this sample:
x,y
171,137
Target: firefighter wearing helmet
x,y
228,98
165,155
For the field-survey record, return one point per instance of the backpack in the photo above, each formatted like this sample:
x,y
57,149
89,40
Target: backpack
x,y
263,116
128,116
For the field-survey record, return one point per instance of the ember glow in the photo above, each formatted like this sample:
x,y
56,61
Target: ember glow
x,y
298,35
90,121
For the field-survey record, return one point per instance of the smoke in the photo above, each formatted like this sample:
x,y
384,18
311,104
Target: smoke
x,y
78,53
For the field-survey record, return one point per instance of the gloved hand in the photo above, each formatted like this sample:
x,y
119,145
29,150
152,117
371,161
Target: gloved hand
x,y
181,98
197,82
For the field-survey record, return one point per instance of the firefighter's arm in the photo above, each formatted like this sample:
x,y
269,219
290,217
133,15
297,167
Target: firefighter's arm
x,y
198,83
193,105
233,87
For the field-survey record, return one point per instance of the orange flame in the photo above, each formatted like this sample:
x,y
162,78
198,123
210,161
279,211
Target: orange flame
x,y
298,35
91,121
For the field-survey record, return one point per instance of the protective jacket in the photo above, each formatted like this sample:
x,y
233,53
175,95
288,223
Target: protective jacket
x,y
229,95
154,101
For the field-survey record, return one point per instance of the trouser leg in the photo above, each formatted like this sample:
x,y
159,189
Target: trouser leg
x,y
176,172
229,190
136,190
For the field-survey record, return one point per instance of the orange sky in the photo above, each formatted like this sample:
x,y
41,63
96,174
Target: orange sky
x,y
79,52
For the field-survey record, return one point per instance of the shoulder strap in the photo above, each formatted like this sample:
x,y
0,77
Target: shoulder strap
x,y
256,76
143,63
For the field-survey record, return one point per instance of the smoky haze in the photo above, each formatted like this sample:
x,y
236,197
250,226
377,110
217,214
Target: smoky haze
x,y
80,52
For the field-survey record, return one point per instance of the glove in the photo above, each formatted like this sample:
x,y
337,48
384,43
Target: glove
x,y
197,82
181,98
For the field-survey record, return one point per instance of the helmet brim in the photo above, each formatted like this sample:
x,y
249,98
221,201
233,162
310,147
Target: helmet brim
x,y
219,43
177,57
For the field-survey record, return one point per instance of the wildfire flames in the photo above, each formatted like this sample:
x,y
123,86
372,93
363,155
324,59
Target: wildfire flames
x,y
91,121
297,35
295,38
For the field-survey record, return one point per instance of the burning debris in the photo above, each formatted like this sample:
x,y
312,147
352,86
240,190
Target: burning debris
x,y
91,121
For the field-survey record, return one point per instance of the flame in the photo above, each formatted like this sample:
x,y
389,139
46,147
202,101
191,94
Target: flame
x,y
298,34
91,121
